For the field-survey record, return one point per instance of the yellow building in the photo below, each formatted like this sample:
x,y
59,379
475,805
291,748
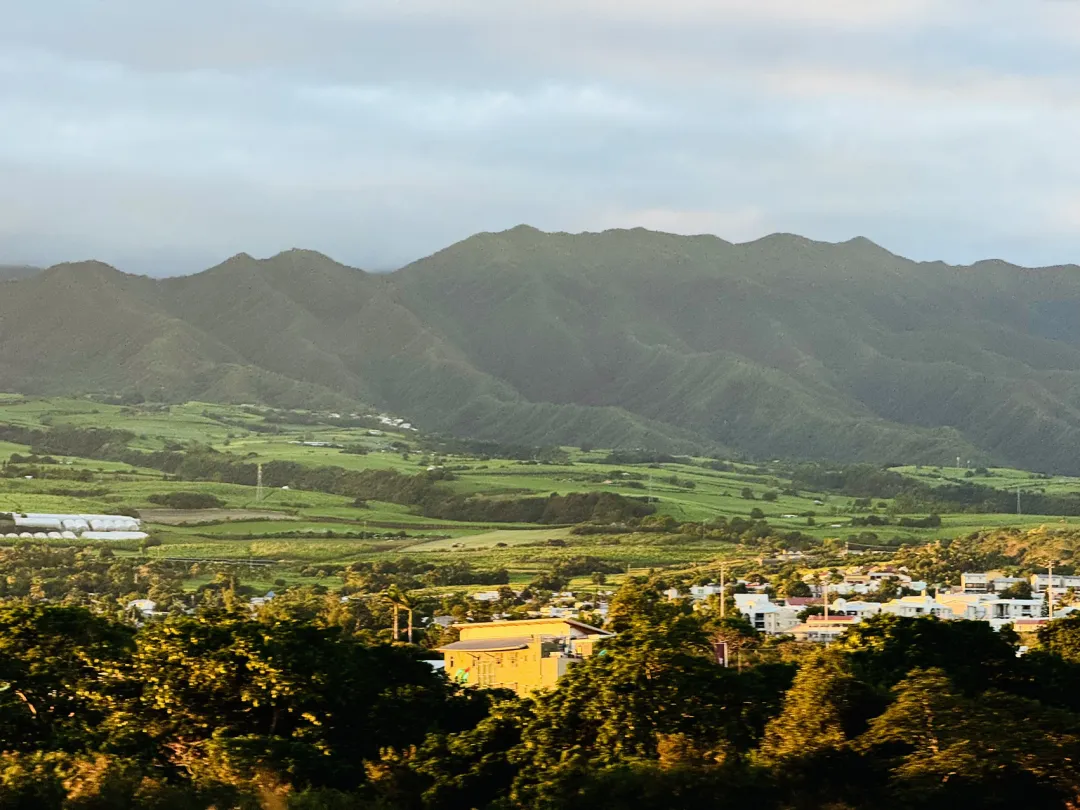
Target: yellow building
x,y
520,655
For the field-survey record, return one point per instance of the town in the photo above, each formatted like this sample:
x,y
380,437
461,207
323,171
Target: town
x,y
524,654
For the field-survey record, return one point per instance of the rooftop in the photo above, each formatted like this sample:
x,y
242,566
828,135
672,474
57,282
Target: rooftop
x,y
526,623
487,645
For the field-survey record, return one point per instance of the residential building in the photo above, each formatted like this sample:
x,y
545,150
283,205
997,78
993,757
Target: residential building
x,y
1001,612
523,655
1062,582
975,582
970,606
913,606
1026,629
702,592
987,582
880,575
860,584
820,629
860,609
764,615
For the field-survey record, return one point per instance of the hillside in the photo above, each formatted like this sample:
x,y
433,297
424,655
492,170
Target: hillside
x,y
783,347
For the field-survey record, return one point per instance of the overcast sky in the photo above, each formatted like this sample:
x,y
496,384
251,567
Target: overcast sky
x,y
164,136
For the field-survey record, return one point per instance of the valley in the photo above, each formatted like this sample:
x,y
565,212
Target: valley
x,y
706,510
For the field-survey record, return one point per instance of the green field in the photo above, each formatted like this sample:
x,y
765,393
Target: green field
x,y
330,530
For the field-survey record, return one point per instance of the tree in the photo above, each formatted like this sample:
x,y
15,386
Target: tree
x,y
825,707
637,601
52,688
223,698
883,649
648,685
401,600
472,768
888,589
794,587
736,632
1061,637
994,750
1018,590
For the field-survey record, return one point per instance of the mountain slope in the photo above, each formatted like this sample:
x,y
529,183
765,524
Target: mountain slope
x,y
780,347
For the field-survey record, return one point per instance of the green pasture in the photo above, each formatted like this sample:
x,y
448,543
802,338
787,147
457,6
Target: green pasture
x,y
326,521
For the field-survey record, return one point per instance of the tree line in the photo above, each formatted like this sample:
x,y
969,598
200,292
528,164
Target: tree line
x,y
912,495
422,491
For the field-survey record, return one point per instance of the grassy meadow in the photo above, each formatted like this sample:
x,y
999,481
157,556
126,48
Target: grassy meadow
x,y
300,531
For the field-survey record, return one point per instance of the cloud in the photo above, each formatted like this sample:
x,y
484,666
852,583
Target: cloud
x,y
157,135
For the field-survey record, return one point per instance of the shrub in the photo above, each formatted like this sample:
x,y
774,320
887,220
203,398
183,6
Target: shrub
x,y
187,500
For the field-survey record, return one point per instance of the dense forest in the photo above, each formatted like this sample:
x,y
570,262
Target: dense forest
x,y
300,707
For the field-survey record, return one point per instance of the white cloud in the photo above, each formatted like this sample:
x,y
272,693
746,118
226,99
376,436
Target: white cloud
x,y
848,14
377,130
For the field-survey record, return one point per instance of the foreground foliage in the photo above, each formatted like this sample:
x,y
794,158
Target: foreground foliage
x,y
228,710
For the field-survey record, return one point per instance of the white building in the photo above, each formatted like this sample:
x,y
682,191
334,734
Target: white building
x,y
914,606
1062,582
842,607
702,592
144,607
764,615
970,606
822,630
1001,612
987,582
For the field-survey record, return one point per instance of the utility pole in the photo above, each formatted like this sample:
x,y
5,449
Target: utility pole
x,y
825,595
1050,591
723,593
258,483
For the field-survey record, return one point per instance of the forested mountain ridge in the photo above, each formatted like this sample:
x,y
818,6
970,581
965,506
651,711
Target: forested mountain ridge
x,y
782,347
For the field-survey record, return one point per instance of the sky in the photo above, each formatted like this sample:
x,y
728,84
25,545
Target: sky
x,y
163,137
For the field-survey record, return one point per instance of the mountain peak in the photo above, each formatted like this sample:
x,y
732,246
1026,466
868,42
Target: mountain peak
x,y
523,230
868,246
89,267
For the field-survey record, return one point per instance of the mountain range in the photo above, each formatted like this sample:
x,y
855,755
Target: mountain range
x,y
13,272
782,347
